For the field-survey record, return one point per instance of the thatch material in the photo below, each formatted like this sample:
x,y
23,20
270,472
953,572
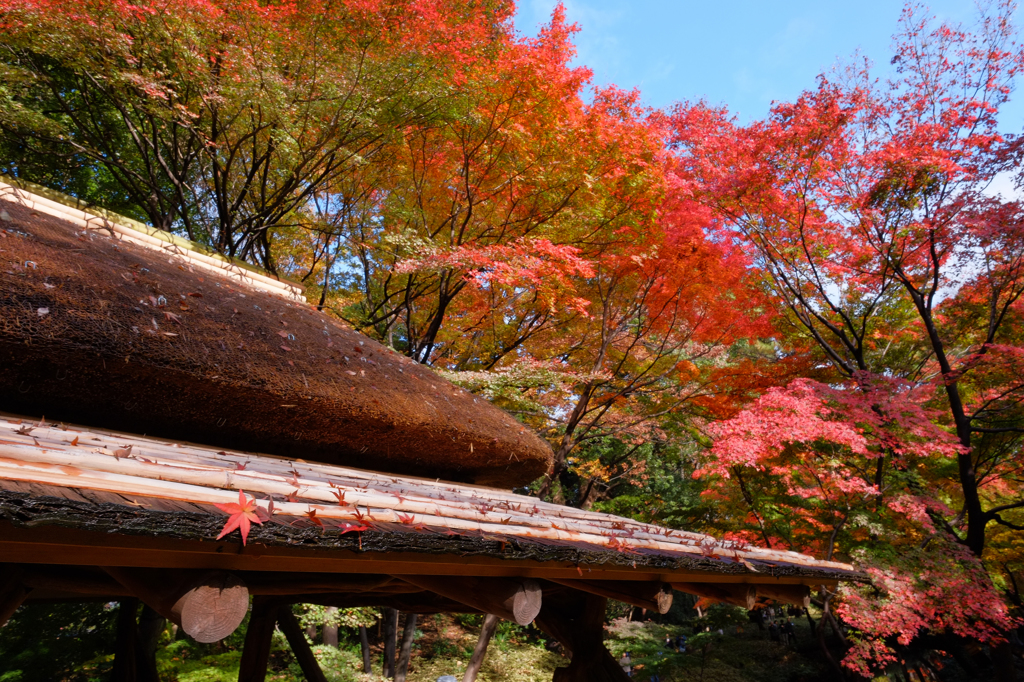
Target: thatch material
x,y
99,326
132,478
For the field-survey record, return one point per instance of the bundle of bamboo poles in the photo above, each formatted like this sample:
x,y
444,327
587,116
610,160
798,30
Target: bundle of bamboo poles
x,y
133,465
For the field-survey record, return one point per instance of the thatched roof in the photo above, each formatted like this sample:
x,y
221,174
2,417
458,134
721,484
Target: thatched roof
x,y
129,487
108,323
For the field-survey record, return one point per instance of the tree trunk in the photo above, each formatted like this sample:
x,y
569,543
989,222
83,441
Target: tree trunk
x,y
822,644
151,624
390,634
124,647
477,660
364,644
408,635
1002,662
330,629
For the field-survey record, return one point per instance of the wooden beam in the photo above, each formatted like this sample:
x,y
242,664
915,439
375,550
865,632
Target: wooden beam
x,y
258,636
311,583
654,596
419,602
800,595
54,545
300,647
156,588
76,582
516,600
740,595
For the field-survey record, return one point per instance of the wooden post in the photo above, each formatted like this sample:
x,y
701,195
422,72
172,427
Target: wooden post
x,y
408,635
300,647
331,629
390,635
125,643
364,644
577,621
256,650
151,624
477,659
12,590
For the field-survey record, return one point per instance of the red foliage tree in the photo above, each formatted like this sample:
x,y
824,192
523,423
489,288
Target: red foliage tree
x,y
863,206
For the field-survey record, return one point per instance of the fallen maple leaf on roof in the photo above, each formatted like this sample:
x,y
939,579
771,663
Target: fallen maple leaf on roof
x,y
242,515
311,516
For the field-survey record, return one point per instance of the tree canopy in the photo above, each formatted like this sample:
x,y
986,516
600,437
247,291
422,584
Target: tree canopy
x,y
805,331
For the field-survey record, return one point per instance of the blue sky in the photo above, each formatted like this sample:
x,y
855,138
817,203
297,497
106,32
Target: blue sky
x,y
741,53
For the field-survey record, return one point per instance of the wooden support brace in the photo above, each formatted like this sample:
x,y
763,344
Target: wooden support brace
x,y
300,647
156,588
740,595
258,636
512,599
655,597
208,606
480,651
79,582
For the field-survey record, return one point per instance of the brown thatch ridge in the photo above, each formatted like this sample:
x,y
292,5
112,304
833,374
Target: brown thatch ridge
x,y
99,329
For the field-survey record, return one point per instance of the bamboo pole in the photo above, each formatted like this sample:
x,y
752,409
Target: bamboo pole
x,y
61,464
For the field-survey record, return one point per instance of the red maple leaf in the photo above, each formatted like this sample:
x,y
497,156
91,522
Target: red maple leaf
x,y
311,515
242,515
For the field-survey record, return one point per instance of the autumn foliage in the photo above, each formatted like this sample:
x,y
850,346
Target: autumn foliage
x,y
811,321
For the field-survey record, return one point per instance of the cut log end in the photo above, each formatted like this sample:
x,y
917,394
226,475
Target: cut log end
x,y
526,602
214,609
664,599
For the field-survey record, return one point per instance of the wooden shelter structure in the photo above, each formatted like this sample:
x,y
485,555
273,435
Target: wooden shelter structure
x,y
379,486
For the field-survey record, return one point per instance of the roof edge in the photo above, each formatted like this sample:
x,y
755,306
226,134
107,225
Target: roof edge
x,y
64,206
